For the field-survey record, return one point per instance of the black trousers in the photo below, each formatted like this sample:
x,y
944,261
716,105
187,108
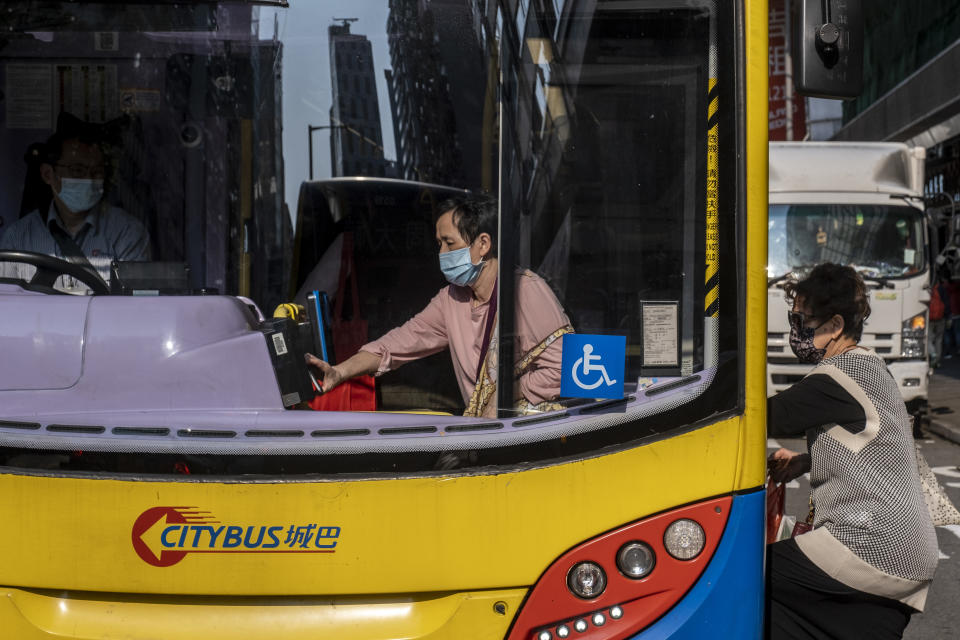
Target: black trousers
x,y
804,602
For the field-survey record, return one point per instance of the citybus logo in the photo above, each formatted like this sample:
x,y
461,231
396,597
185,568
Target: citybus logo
x,y
163,536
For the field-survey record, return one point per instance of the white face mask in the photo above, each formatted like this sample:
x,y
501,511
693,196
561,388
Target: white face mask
x,y
80,194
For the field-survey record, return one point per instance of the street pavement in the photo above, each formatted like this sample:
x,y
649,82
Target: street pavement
x,y
941,448
944,394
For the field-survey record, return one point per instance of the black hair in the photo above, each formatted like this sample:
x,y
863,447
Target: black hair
x,y
473,214
53,148
832,289
69,127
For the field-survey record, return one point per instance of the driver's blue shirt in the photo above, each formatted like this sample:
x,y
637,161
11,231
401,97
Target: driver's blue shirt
x,y
108,233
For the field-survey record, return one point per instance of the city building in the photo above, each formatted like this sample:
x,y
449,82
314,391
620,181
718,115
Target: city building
x,y
356,140
437,120
912,88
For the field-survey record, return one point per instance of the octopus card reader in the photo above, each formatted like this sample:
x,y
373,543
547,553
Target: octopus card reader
x,y
284,342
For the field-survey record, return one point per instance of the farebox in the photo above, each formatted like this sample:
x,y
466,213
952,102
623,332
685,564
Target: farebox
x,y
285,342
132,278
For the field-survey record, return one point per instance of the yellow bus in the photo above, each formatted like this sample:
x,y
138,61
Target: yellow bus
x,y
160,476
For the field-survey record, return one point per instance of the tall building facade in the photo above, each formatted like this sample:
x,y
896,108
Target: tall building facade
x,y
437,64
356,140
787,109
912,88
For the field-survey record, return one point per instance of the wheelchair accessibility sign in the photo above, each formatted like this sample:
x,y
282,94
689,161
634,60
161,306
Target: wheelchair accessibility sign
x,y
593,366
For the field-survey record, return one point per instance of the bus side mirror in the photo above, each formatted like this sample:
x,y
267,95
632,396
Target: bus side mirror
x,y
828,48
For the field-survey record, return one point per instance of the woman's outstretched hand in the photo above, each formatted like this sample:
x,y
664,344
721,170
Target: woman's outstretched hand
x,y
330,377
785,465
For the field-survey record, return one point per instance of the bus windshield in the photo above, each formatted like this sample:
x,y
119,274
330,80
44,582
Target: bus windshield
x,y
282,155
879,241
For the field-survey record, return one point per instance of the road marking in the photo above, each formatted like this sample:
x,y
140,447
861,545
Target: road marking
x,y
948,470
952,528
952,484
773,444
944,556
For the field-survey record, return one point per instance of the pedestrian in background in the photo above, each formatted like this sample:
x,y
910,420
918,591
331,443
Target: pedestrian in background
x,y
948,270
951,346
939,316
865,566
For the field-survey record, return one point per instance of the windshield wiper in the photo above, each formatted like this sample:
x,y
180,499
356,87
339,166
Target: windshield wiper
x,y
777,279
793,272
882,283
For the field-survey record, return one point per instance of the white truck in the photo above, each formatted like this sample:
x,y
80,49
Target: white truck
x,y
858,204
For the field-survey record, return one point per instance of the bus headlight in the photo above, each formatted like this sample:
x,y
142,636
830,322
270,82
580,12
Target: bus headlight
x,y
913,338
684,539
589,592
635,560
586,580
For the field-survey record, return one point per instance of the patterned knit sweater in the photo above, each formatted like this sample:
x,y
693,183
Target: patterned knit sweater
x,y
872,530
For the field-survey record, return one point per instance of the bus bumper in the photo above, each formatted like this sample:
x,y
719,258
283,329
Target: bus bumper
x,y
727,600
27,614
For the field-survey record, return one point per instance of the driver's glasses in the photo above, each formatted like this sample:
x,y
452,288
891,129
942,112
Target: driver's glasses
x,y
78,171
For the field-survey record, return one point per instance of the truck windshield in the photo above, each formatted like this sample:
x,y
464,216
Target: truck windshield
x,y
879,241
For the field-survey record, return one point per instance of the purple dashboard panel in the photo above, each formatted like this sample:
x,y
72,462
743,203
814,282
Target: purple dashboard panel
x,y
193,375
134,353
41,339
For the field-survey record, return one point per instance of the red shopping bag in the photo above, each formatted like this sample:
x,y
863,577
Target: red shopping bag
x,y
356,394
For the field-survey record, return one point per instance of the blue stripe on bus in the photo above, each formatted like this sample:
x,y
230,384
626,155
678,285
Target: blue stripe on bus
x,y
727,600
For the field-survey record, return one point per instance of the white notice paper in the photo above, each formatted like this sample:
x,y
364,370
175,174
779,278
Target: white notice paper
x,y
661,322
29,93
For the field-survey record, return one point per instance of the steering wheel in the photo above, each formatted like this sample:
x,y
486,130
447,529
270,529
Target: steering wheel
x,y
49,268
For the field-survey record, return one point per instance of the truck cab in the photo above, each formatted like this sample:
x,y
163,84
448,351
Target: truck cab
x,y
858,204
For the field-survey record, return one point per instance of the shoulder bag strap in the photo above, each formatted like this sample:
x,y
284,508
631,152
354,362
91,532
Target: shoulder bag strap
x,y
488,330
524,363
346,266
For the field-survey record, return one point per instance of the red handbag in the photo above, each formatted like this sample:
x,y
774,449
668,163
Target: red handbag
x,y
356,394
775,500
776,495
805,526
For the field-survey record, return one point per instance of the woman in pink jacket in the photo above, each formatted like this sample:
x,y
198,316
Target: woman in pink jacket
x,y
462,318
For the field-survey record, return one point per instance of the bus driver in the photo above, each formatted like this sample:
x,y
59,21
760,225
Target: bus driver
x,y
79,224
462,316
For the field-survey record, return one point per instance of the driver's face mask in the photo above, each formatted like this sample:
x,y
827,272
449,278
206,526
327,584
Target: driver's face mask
x,y
80,194
801,339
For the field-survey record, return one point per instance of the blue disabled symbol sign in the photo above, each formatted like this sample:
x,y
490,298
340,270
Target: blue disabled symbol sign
x,y
593,366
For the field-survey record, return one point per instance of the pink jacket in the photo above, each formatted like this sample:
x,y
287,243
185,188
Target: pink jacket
x,y
452,321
